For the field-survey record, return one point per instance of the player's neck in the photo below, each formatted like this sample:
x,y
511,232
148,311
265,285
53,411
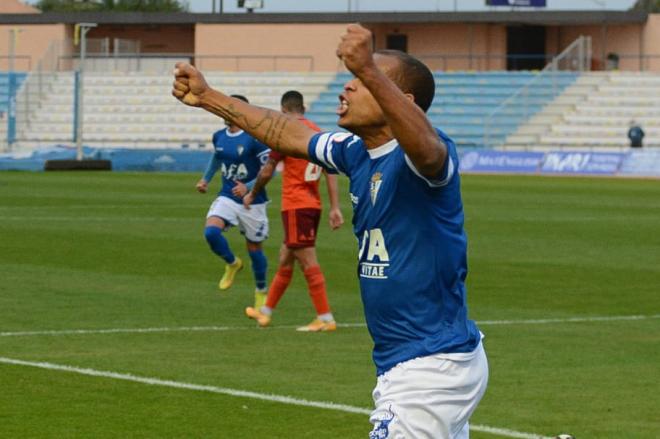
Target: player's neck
x,y
233,128
373,137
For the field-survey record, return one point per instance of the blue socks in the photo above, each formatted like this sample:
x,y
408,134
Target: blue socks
x,y
220,247
219,244
259,267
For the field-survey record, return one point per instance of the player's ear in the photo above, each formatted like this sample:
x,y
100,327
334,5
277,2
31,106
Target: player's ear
x,y
410,97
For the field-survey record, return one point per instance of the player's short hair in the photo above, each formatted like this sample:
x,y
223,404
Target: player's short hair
x,y
412,77
241,97
292,101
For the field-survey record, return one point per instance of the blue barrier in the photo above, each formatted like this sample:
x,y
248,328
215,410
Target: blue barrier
x,y
641,163
123,159
500,161
634,163
601,163
644,163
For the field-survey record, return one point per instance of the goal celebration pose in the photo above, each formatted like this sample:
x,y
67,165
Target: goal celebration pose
x,y
408,219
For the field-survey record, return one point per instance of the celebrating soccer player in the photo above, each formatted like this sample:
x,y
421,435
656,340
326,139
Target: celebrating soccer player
x,y
408,219
301,212
239,157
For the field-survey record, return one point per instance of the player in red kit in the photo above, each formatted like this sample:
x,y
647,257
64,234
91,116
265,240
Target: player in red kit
x,y
301,213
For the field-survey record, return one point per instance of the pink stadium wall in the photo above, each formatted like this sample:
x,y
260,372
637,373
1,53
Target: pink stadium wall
x,y
180,38
241,45
305,47
31,43
462,46
259,47
652,42
638,46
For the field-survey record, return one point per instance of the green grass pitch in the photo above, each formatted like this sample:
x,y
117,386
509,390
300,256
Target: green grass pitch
x,y
126,251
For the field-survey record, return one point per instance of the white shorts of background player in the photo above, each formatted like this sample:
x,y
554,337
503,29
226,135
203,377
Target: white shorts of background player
x,y
253,222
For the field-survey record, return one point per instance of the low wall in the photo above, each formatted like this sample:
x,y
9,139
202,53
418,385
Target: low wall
x,y
635,163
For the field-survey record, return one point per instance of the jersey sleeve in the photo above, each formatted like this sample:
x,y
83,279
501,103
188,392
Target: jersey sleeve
x,y
448,170
262,152
328,150
211,168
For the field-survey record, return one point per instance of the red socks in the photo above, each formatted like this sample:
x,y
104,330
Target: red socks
x,y
278,286
316,285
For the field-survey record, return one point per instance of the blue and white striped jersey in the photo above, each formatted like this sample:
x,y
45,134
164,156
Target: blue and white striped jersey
x,y
412,248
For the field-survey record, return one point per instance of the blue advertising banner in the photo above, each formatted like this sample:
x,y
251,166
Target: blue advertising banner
x,y
532,3
603,163
500,161
123,159
642,163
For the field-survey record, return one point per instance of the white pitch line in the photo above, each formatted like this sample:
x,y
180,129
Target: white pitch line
x,y
568,320
240,393
96,219
341,325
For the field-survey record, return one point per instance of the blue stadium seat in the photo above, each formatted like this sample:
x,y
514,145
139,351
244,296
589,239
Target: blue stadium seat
x,y
4,88
463,101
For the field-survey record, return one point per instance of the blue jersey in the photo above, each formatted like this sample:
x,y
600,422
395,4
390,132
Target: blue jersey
x,y
239,157
412,248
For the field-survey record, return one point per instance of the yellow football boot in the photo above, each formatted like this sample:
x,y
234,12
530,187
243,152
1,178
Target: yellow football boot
x,y
259,298
230,273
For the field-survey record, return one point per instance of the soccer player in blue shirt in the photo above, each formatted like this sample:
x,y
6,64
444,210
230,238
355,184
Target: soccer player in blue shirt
x,y
239,157
408,218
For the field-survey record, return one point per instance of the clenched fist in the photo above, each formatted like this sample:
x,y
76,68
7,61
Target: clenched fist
x,y
355,49
189,84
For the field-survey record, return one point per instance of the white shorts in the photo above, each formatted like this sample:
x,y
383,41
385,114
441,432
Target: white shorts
x,y
253,222
429,397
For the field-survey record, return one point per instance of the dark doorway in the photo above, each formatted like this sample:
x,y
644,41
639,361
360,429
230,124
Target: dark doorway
x,y
525,47
397,42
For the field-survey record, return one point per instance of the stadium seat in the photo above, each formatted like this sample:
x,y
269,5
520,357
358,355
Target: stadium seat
x,y
463,100
137,109
596,112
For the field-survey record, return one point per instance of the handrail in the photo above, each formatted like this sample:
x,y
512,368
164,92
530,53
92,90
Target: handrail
x,y
26,58
198,60
552,66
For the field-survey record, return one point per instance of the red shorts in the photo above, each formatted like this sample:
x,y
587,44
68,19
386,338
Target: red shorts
x,y
300,226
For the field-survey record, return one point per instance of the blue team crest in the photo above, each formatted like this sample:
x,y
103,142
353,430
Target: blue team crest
x,y
382,428
240,149
376,181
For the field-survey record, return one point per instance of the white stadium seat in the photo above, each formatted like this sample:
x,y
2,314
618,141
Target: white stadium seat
x,y
138,110
596,111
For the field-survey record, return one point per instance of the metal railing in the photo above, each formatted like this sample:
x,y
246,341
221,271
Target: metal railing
x,y
164,62
21,63
36,85
523,102
471,61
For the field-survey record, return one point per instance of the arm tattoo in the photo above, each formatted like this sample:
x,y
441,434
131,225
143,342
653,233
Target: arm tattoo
x,y
270,127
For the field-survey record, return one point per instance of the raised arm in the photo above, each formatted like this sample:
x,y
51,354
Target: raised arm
x,y
277,130
408,122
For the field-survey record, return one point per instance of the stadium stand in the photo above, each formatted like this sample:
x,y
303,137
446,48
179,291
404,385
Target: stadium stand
x,y
464,99
137,110
595,113
4,89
